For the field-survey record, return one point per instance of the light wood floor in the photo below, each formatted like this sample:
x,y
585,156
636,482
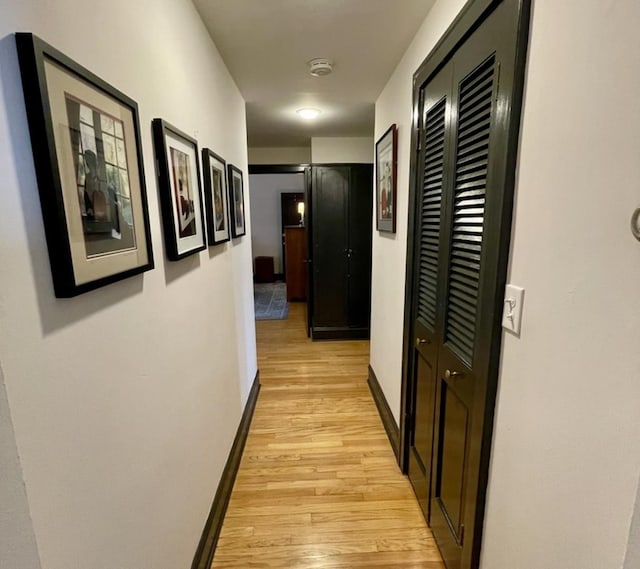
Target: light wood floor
x,y
318,485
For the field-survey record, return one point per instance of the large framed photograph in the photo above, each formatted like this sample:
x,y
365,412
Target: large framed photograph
x,y
236,197
386,180
178,170
216,197
85,136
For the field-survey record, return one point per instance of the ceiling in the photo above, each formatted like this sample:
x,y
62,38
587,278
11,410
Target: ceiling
x,y
266,45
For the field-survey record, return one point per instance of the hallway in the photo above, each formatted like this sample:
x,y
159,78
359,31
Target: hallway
x,y
318,485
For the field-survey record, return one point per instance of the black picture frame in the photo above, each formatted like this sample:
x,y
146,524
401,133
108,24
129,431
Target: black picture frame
x,y
216,197
236,201
387,180
178,166
90,172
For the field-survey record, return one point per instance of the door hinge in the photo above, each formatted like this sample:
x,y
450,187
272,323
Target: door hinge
x,y
461,535
497,81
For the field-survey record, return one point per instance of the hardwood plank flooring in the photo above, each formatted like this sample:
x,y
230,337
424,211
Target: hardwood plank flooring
x,y
318,485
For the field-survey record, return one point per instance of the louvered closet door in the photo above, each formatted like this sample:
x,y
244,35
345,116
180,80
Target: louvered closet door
x,y
463,181
435,153
461,371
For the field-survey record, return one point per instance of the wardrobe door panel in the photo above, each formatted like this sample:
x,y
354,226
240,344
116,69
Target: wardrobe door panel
x,y
330,243
359,249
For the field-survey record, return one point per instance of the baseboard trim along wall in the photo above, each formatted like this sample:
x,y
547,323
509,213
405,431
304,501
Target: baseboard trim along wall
x,y
337,333
390,426
207,547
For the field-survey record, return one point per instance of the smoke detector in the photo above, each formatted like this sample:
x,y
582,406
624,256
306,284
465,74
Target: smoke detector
x,y
320,67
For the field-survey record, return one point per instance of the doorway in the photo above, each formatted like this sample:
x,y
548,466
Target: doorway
x,y
278,196
292,207
467,101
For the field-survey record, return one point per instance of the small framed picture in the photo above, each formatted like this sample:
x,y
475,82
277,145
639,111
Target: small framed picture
x,y
216,197
180,193
85,136
236,197
386,180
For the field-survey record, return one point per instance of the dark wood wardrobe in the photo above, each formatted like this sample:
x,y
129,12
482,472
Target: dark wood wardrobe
x,y
341,215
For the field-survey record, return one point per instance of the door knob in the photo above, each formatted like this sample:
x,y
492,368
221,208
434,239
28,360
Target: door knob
x,y
452,374
422,342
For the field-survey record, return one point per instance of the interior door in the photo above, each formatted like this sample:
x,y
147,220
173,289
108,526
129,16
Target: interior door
x,y
309,256
475,82
359,248
466,166
434,153
330,243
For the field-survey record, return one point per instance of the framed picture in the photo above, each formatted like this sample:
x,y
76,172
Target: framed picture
x,y
178,171
216,197
386,180
85,136
236,197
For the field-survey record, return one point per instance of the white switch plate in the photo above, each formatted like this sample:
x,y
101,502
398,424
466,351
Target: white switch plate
x,y
512,314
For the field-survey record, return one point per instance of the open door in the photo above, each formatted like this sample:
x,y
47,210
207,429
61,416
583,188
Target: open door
x,y
464,168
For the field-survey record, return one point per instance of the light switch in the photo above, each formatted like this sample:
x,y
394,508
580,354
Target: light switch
x,y
512,314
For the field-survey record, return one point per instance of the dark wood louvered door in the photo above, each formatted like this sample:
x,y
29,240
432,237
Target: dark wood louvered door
x,y
474,104
464,171
434,155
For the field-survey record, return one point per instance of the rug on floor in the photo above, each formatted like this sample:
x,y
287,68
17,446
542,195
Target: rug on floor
x,y
271,301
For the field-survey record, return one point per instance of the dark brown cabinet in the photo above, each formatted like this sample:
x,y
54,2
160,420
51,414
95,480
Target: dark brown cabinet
x,y
341,225
295,252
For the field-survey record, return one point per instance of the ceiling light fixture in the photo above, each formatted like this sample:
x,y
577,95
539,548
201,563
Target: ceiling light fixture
x,y
320,66
309,114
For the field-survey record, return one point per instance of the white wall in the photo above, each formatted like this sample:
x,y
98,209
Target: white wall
x,y
566,454
327,150
632,558
390,251
280,155
17,541
323,150
266,221
125,400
